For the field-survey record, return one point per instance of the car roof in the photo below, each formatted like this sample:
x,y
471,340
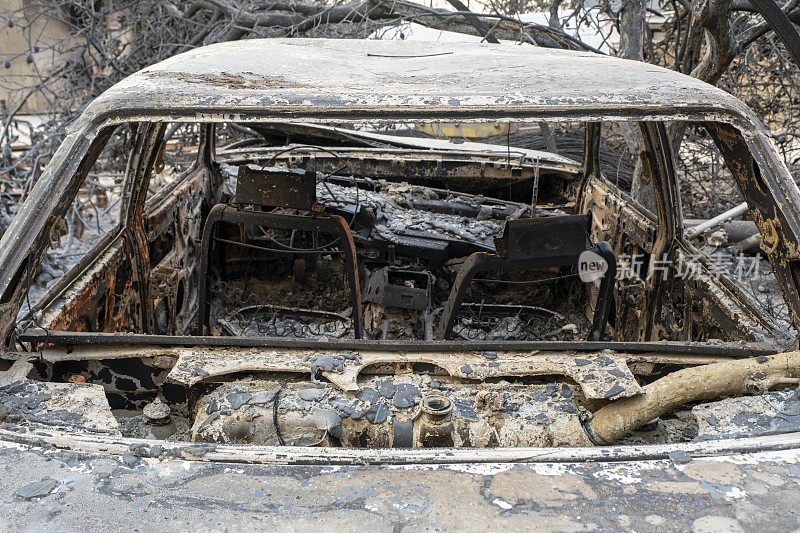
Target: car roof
x,y
357,79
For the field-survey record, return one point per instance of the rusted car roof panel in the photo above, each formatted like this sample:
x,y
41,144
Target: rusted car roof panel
x,y
341,77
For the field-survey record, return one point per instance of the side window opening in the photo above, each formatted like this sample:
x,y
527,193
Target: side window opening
x,y
621,145
707,187
177,154
94,213
730,246
618,153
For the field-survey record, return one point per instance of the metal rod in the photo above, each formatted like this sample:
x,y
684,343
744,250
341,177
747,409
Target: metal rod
x,y
76,338
747,244
278,250
716,221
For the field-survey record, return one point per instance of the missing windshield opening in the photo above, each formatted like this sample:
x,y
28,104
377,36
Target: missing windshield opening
x,y
409,292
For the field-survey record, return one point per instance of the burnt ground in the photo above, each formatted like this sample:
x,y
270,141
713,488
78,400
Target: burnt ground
x,y
125,492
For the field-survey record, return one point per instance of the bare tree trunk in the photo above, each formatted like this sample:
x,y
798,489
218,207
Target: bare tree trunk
x,y
553,20
631,46
631,30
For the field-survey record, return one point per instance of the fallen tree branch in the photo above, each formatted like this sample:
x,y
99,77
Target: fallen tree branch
x,y
475,21
700,383
502,27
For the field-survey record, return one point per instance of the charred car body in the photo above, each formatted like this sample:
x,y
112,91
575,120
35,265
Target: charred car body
x,y
315,285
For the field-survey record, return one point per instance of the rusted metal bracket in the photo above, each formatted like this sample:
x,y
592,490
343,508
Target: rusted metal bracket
x,y
332,224
387,287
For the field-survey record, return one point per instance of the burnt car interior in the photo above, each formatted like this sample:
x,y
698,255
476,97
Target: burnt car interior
x,y
431,287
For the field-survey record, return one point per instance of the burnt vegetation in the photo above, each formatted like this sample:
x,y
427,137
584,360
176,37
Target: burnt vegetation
x,y
75,50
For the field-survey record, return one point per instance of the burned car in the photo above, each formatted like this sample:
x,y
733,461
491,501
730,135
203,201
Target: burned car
x,y
304,275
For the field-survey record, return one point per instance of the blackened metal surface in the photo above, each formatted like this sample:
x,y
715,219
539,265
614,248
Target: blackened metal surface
x,y
401,289
276,187
332,224
605,296
482,262
77,339
553,236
